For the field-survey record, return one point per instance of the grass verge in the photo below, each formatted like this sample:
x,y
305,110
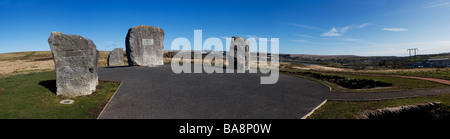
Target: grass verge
x,y
32,96
443,73
352,110
397,83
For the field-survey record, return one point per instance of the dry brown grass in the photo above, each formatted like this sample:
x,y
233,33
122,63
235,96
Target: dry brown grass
x,y
13,67
406,70
334,69
12,56
29,62
313,67
25,62
103,59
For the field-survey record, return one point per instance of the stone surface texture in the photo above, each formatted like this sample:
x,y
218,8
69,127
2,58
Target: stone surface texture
x,y
239,55
76,61
115,57
144,46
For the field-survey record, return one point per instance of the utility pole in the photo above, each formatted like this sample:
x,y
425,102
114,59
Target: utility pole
x,y
415,50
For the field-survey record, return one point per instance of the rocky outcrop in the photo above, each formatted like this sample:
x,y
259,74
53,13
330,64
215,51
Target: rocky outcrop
x,y
76,61
144,46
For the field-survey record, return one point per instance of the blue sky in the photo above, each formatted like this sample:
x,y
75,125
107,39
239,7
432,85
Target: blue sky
x,y
325,27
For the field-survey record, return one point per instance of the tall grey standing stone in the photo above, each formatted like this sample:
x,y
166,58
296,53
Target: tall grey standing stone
x,y
76,61
144,46
239,55
115,57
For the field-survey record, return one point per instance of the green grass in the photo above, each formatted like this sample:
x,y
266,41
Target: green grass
x,y
351,110
398,83
438,73
29,96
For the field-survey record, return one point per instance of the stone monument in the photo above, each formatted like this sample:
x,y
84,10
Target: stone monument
x,y
76,61
144,46
239,55
115,57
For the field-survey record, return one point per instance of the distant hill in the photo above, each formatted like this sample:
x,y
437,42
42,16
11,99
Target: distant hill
x,y
343,60
360,61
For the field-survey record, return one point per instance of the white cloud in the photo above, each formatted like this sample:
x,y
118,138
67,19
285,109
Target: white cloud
x,y
302,35
332,33
257,37
437,4
111,44
395,29
252,36
356,41
303,26
364,25
337,31
305,41
345,29
225,37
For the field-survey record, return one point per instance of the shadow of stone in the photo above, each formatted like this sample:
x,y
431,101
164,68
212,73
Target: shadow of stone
x,y
50,85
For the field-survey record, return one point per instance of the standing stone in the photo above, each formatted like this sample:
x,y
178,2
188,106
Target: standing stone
x,y
144,46
239,55
115,57
76,61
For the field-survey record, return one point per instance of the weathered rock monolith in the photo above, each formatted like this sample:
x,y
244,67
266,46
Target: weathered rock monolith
x,y
144,46
239,55
115,57
76,61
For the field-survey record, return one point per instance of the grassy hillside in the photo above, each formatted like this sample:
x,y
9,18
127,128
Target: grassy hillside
x,y
35,61
338,80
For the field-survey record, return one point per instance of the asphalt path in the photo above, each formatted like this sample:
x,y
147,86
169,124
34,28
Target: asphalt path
x,y
159,93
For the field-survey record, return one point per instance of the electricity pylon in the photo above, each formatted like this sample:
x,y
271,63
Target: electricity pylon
x,y
415,50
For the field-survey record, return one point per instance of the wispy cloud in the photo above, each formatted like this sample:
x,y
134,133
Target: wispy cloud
x,y
307,42
338,31
356,41
303,35
224,37
438,4
332,33
257,37
303,26
364,25
395,29
304,41
111,44
345,29
252,36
